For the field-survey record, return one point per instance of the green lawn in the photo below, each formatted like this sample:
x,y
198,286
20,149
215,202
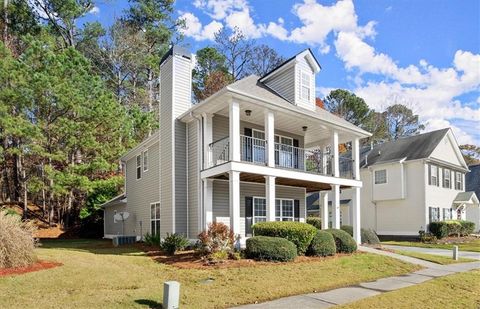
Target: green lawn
x,y
442,260
469,246
461,290
94,275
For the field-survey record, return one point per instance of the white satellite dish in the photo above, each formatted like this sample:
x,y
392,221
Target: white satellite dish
x,y
121,216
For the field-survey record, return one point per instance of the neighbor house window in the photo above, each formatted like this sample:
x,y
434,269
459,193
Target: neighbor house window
x,y
305,86
458,181
139,166
380,177
284,210
155,218
259,209
434,214
434,175
446,178
145,160
447,213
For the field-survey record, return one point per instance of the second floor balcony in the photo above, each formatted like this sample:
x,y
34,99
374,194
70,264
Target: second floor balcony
x,y
286,155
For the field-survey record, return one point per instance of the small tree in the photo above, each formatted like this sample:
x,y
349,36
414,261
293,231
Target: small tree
x,y
401,121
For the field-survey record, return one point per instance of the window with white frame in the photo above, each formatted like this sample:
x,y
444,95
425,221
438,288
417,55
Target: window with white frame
x,y
305,86
447,213
155,219
258,144
458,181
433,175
434,214
380,177
259,209
446,178
284,210
145,160
139,166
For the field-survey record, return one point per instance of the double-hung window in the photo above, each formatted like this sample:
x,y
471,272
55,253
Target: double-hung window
x,y
259,209
305,86
145,160
380,177
433,175
284,210
155,218
458,181
434,214
447,214
446,178
139,166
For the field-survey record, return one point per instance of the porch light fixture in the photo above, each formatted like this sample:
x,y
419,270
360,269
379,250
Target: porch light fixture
x,y
304,128
248,112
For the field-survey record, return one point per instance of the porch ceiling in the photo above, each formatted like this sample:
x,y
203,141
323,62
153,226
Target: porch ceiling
x,y
310,186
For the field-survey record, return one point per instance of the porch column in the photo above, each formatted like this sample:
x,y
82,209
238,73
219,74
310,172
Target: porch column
x,y
336,206
208,201
356,191
234,190
234,131
335,160
270,197
270,137
323,200
207,138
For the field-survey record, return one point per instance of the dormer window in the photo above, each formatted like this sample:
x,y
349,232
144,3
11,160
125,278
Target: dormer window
x,y
305,86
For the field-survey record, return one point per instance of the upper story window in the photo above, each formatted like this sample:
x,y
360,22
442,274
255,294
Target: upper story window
x,y
145,160
446,178
380,177
458,181
139,166
433,175
305,86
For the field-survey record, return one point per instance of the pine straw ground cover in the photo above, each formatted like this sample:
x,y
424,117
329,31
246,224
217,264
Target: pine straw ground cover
x,y
94,274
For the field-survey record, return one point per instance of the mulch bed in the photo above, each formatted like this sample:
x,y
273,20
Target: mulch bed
x,y
456,240
191,259
40,265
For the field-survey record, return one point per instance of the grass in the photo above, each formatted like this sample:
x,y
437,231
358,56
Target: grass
x,y
461,290
96,275
468,246
442,260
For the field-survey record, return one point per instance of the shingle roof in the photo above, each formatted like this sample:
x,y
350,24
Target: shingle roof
x,y
472,179
414,147
252,86
466,197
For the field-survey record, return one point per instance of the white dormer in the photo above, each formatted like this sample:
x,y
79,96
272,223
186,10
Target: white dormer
x,y
294,80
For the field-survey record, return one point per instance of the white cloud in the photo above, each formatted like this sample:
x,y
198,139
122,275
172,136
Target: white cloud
x,y
439,123
220,9
195,29
243,21
95,10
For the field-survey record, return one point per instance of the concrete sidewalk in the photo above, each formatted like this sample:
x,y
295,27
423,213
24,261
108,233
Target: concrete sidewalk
x,y
366,289
436,251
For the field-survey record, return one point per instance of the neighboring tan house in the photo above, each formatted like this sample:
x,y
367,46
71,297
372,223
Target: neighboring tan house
x,y
409,183
248,153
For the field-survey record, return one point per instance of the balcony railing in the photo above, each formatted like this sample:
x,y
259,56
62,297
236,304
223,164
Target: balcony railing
x,y
286,156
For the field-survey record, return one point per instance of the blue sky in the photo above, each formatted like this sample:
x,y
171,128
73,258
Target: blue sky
x,y
425,54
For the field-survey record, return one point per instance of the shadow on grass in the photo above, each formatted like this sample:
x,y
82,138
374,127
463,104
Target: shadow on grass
x,y
150,303
95,246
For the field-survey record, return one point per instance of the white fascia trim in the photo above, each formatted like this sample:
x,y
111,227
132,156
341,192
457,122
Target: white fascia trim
x,y
277,172
446,164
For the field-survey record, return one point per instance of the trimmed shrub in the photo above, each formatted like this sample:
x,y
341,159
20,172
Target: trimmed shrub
x,y
266,248
367,236
152,240
301,234
218,237
323,244
174,242
315,221
17,243
438,229
468,227
343,241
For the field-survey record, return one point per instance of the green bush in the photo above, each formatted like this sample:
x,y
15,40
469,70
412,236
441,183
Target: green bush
x,y
446,228
343,241
173,243
438,229
301,234
315,221
323,244
152,240
367,236
266,248
468,227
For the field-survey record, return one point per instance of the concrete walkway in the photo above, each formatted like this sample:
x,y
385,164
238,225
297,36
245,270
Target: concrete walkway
x,y
435,251
366,289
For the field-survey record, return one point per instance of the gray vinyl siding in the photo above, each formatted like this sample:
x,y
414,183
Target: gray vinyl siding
x,y
221,197
111,227
284,84
221,129
181,207
142,192
193,179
